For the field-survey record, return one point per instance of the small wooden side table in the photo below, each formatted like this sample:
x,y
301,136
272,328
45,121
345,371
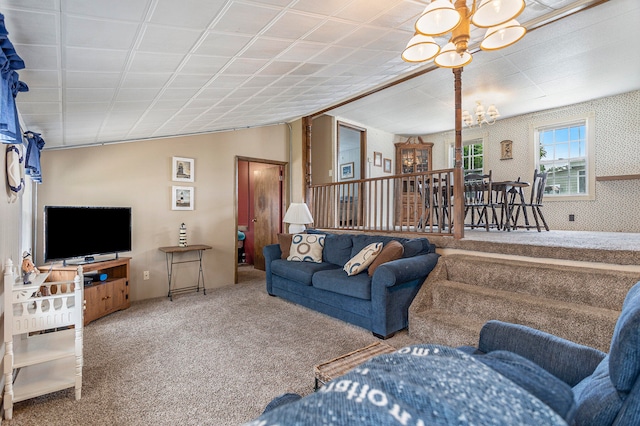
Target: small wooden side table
x,y
343,364
170,251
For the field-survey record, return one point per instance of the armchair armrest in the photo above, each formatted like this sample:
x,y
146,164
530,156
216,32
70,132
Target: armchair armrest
x,y
568,361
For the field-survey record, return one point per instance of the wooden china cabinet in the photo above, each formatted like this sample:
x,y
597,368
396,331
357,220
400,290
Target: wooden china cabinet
x,y
412,156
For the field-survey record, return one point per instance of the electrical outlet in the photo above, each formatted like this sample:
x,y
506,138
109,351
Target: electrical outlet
x,y
572,218
145,275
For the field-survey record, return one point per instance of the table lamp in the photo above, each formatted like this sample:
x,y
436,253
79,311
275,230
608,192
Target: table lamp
x,y
297,216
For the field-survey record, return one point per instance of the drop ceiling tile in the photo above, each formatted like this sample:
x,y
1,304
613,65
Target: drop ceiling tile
x,y
301,51
145,80
182,94
186,13
101,34
132,106
245,66
331,31
144,62
38,108
89,107
260,81
137,94
220,44
189,81
161,39
76,79
40,95
35,78
333,54
38,57
326,7
308,69
363,36
89,95
32,27
207,65
265,48
394,40
293,25
82,59
235,19
132,10
279,68
366,10
397,17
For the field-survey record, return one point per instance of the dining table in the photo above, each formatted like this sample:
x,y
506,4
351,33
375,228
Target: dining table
x,y
511,195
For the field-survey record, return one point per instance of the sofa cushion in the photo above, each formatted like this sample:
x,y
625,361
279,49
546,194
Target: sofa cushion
x,y
306,248
284,240
337,281
361,261
337,248
391,251
300,272
598,402
534,379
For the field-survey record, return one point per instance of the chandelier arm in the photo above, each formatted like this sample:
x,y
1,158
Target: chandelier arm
x,y
473,9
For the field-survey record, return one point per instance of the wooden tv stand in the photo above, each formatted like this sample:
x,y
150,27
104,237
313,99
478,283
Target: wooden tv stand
x,y
101,297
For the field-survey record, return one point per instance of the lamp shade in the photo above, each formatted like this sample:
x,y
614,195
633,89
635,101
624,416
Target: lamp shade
x,y
420,48
495,12
298,214
450,58
503,35
438,18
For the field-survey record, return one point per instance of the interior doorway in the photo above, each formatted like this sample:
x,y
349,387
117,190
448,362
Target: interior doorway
x,y
260,207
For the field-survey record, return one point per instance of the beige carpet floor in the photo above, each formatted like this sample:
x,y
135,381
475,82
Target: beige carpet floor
x,y
214,359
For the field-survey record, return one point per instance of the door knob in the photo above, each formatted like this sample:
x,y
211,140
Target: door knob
x,y
254,220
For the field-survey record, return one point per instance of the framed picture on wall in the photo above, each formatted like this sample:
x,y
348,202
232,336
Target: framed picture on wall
x,y
377,159
182,198
182,170
387,165
346,171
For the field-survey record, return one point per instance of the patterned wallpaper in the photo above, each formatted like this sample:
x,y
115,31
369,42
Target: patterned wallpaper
x,y
617,152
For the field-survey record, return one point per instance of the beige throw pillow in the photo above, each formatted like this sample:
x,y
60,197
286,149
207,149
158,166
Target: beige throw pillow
x,y
392,251
363,259
306,248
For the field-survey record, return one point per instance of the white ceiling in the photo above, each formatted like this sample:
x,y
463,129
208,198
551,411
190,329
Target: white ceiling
x,y
103,71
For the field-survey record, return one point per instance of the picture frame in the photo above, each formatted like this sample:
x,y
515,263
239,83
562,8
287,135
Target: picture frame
x,y
346,170
506,150
387,165
377,159
182,198
183,169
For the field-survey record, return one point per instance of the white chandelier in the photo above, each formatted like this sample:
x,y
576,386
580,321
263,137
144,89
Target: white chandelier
x,y
441,17
483,116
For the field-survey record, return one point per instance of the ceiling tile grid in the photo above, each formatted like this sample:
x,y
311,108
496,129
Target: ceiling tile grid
x,y
104,71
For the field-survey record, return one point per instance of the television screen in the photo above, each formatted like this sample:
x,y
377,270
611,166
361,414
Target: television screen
x,y
71,232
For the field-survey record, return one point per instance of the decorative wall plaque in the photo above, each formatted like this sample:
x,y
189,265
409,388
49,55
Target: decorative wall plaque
x,y
506,150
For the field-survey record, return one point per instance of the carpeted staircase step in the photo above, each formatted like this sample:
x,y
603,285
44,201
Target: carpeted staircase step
x,y
579,285
446,328
480,304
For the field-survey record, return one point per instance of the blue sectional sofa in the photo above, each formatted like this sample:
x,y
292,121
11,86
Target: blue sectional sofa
x,y
379,303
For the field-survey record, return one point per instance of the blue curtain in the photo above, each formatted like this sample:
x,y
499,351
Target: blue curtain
x,y
10,86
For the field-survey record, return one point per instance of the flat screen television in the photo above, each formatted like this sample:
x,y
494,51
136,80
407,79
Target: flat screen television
x,y
84,232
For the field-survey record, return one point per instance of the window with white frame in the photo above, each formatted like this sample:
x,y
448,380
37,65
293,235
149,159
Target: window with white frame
x,y
472,156
563,154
